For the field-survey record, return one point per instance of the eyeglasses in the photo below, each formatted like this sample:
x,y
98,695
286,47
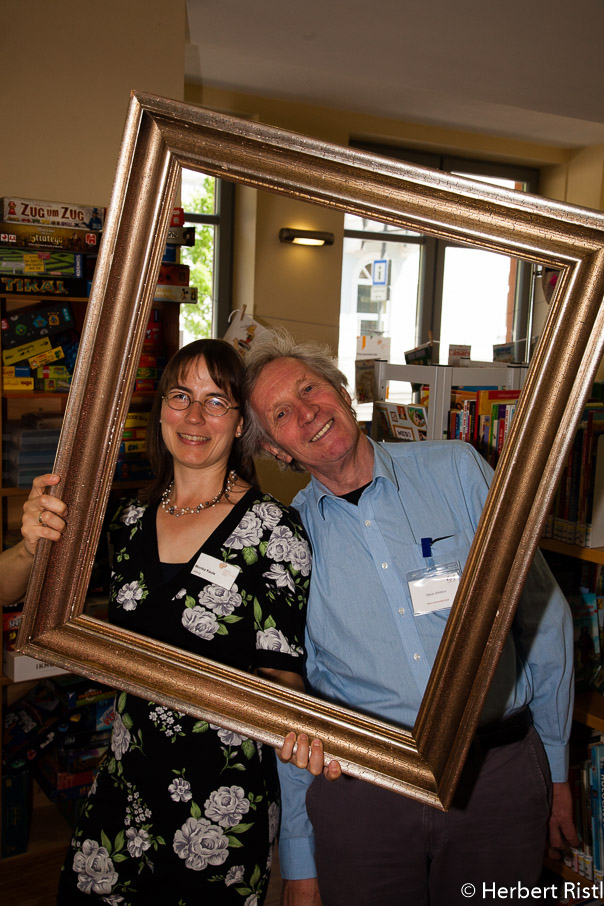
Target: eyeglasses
x,y
211,405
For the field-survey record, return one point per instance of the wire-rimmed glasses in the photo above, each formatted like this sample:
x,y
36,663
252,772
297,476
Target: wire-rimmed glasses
x,y
211,405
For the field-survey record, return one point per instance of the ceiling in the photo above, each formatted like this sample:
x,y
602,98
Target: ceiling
x,y
524,69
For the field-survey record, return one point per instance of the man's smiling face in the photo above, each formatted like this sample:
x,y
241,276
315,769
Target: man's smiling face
x,y
307,418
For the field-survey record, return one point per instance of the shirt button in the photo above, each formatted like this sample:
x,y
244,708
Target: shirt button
x,y
416,657
384,566
401,610
368,523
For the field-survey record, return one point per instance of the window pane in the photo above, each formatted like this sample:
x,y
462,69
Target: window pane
x,y
478,301
199,197
379,296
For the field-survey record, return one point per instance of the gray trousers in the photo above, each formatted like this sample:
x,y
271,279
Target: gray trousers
x,y
378,848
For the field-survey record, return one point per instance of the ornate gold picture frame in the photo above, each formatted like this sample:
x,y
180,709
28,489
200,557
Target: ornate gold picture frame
x,y
161,137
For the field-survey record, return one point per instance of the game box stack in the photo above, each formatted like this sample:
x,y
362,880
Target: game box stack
x,y
47,248
173,281
54,716
132,461
57,734
29,447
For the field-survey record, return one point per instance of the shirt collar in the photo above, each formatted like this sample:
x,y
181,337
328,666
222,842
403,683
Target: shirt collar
x,y
383,468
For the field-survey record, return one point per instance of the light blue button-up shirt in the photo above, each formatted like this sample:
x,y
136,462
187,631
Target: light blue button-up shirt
x,y
366,648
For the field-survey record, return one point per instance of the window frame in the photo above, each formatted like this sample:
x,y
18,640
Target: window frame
x,y
223,220
432,259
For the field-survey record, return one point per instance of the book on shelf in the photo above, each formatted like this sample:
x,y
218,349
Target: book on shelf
x,y
577,512
586,635
396,422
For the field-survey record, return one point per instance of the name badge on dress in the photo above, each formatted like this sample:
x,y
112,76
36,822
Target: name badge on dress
x,y
215,571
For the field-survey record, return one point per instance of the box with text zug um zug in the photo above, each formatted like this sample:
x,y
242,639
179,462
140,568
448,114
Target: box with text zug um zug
x,y
53,213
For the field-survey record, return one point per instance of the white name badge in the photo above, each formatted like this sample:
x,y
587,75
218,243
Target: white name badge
x,y
435,588
215,571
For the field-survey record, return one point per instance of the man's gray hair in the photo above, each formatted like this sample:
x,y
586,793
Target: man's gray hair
x,y
279,344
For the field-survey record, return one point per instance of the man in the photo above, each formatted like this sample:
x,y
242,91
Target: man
x,y
369,647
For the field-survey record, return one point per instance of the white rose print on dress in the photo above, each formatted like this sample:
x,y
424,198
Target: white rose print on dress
x,y
247,534
279,543
270,514
137,841
200,622
299,556
131,594
234,875
180,790
131,514
200,843
228,737
222,601
227,806
94,868
280,576
120,737
273,821
272,639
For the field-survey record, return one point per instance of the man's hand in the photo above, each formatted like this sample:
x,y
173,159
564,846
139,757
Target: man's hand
x,y
562,832
308,756
301,893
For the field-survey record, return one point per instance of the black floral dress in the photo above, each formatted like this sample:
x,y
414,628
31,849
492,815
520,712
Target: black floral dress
x,y
183,812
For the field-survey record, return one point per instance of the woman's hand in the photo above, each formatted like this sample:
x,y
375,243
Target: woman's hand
x,y
308,756
43,516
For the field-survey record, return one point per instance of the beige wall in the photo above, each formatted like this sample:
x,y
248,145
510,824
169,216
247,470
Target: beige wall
x,y
67,72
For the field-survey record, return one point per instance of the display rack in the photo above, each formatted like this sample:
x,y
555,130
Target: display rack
x,y
14,404
441,379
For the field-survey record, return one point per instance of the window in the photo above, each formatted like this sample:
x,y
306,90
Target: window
x,y
208,205
433,289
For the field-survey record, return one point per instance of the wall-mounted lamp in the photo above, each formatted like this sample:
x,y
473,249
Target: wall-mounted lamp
x,y
305,237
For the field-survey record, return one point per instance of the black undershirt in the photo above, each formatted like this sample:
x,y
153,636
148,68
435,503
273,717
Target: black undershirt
x,y
355,496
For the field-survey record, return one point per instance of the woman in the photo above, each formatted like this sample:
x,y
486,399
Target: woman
x,y
183,812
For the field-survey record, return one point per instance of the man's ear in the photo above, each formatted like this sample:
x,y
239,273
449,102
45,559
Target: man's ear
x,y
277,452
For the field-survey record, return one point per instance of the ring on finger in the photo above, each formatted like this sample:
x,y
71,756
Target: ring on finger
x,y
40,520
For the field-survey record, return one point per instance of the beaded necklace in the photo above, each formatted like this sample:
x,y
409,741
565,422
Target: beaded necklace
x,y
230,482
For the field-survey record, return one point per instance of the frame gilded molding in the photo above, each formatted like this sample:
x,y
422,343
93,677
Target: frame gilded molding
x,y
161,136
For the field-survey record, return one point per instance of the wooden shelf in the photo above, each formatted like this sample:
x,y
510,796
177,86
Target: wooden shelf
x,y
563,871
116,486
592,554
48,840
589,709
24,298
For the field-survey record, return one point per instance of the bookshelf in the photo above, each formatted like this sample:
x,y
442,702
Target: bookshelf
x,y
49,831
441,379
589,705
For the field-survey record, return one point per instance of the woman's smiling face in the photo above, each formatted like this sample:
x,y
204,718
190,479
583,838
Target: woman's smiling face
x,y
193,437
